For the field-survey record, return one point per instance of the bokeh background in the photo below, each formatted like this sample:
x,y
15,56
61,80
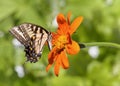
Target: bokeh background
x,y
93,66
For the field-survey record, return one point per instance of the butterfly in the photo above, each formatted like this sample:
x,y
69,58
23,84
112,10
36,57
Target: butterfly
x,y
33,37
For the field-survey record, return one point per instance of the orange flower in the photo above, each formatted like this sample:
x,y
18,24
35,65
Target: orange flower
x,y
63,43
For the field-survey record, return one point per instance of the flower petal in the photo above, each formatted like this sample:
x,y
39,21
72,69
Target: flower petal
x,y
52,55
68,18
64,60
51,58
63,26
75,24
61,19
73,48
69,38
48,67
57,66
54,37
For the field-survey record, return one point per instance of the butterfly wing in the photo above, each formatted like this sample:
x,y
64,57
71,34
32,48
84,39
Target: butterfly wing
x,y
15,31
33,38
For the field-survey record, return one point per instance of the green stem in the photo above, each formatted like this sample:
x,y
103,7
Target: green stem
x,y
105,44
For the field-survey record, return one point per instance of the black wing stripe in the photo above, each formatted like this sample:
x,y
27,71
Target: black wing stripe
x,y
18,36
35,29
22,28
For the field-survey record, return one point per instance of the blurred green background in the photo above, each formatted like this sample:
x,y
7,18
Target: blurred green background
x,y
94,66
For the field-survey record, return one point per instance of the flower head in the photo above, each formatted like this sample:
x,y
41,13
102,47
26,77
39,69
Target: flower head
x,y
62,42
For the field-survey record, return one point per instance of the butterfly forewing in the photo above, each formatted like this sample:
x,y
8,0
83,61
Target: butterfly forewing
x,y
18,35
33,37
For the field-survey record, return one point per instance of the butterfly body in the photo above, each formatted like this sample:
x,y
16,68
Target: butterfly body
x,y
33,37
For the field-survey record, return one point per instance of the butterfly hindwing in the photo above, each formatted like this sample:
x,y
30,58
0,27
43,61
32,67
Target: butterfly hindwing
x,y
33,37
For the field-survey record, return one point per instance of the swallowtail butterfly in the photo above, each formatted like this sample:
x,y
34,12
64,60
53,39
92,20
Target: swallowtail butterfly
x,y
33,37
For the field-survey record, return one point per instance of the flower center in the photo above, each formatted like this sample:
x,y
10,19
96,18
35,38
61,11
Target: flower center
x,y
61,42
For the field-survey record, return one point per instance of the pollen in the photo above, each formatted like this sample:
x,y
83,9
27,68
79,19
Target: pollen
x,y
61,42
